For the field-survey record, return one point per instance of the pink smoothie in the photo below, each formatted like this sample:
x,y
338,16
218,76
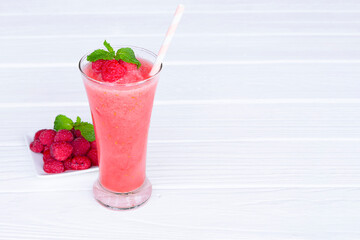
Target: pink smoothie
x,y
121,114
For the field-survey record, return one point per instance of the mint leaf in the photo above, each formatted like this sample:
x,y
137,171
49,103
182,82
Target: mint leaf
x,y
99,54
127,55
87,130
78,120
109,48
63,122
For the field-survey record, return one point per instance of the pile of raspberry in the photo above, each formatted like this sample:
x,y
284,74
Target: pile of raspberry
x,y
64,150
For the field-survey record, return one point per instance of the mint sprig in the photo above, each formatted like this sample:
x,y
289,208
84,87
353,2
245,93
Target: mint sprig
x,y
124,54
86,129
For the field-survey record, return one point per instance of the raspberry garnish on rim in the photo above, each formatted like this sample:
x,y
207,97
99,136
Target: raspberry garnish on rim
x,y
120,66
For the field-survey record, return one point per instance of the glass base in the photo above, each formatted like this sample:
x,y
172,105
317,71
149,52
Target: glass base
x,y
122,201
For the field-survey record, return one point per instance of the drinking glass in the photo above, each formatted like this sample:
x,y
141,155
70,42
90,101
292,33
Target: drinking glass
x,y
121,117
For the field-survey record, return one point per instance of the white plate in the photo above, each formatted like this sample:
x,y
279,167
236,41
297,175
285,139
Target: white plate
x,y
37,160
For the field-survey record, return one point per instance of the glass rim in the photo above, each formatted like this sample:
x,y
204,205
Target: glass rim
x,y
121,84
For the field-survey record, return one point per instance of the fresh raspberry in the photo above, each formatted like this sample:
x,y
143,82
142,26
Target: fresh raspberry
x,y
37,134
81,146
49,160
111,71
76,133
61,150
54,166
93,145
96,66
128,66
46,148
92,155
47,155
67,164
36,146
63,136
47,137
80,163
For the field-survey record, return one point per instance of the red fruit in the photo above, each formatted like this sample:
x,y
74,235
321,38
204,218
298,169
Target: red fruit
x,y
92,155
46,148
93,145
96,66
49,160
36,146
81,146
76,133
67,164
47,137
63,136
37,134
111,71
80,163
61,150
47,155
128,66
54,166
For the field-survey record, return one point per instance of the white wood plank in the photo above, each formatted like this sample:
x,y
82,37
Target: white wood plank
x,y
21,7
270,214
184,49
198,82
215,122
192,23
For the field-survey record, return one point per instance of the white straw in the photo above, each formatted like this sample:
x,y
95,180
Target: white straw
x,y
169,35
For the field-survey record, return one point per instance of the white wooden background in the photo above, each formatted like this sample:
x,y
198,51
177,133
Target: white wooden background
x,y
255,132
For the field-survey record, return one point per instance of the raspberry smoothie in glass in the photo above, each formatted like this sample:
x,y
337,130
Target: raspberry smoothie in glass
x,y
120,93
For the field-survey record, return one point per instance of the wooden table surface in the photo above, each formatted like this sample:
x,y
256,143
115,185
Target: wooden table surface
x,y
255,132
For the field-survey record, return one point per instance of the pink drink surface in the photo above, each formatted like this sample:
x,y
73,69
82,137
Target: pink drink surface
x,y
121,116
